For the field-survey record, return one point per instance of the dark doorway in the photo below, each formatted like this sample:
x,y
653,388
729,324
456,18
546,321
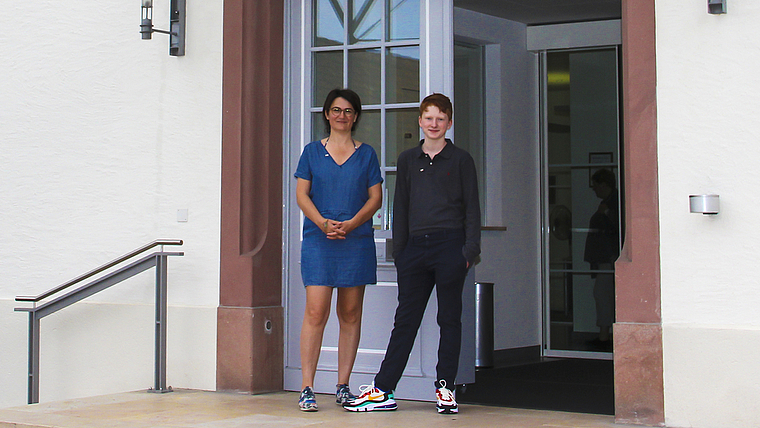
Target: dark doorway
x,y
559,384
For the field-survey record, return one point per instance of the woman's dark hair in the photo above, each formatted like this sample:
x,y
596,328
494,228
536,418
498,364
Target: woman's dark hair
x,y
348,95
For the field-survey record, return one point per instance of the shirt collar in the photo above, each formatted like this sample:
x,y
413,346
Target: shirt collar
x,y
445,152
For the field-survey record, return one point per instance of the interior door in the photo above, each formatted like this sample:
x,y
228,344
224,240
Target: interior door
x,y
581,136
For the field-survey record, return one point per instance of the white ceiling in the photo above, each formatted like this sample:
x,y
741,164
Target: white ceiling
x,y
545,11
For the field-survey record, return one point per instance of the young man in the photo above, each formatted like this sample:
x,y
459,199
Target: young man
x,y
436,238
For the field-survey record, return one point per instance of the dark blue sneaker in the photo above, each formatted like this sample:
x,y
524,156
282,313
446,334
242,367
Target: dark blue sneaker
x,y
307,401
343,394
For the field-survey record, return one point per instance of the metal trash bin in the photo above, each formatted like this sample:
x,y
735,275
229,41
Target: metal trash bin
x,y
484,324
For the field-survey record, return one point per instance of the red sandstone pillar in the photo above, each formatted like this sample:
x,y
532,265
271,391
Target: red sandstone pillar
x,y
250,321
639,397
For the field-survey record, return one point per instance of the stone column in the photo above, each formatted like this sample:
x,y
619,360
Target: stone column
x,y
250,316
639,397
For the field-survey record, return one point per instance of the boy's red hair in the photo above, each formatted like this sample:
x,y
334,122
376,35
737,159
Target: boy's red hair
x,y
438,100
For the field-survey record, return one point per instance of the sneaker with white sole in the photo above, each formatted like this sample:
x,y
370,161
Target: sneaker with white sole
x,y
343,394
446,403
307,401
371,399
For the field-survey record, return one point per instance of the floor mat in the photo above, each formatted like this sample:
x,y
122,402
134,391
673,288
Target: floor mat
x,y
568,384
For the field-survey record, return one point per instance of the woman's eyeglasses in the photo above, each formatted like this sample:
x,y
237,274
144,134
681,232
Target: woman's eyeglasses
x,y
336,111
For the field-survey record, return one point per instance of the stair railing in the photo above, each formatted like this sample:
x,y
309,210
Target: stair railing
x,y
41,309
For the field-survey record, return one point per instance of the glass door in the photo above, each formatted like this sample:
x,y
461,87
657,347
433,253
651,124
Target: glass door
x,y
379,49
580,199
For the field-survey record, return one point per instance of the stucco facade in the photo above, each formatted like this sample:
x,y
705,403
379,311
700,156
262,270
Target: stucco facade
x,y
105,136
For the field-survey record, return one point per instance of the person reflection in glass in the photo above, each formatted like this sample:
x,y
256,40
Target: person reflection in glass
x,y
602,249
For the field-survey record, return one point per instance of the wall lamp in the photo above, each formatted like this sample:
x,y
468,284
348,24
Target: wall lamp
x,y
704,204
716,7
176,22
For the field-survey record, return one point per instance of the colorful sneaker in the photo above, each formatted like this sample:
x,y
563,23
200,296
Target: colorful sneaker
x,y
307,401
343,394
371,399
446,402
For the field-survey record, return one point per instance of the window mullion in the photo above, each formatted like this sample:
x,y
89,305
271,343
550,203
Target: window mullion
x,y
385,224
346,31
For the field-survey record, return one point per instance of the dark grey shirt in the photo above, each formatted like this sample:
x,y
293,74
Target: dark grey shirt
x,y
436,194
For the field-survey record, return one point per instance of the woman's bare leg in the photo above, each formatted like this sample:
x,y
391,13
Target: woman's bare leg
x,y
318,299
349,308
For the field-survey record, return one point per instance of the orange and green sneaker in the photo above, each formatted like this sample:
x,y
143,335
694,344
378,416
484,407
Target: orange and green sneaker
x,y
371,399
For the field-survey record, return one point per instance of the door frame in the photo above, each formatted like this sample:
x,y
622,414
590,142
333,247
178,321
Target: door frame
x,y
420,373
250,358
546,349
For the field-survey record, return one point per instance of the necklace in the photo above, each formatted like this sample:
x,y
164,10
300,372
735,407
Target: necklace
x,y
352,142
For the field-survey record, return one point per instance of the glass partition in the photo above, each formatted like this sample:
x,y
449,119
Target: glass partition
x,y
582,232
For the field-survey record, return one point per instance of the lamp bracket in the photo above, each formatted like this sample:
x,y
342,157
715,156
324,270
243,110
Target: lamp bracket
x,y
176,26
716,7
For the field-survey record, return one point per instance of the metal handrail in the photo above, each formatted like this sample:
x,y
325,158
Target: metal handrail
x,y
36,313
97,270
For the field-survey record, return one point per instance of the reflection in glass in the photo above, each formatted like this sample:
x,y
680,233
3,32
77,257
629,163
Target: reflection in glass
x,y
584,228
402,132
318,127
366,20
368,129
402,75
404,20
469,132
364,74
327,74
390,189
328,22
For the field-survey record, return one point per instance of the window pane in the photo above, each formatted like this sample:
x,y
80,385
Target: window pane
x,y
366,20
402,132
364,74
318,127
328,22
390,190
327,74
404,20
469,132
368,130
403,75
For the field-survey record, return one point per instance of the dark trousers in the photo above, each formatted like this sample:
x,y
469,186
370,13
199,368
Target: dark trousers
x,y
427,261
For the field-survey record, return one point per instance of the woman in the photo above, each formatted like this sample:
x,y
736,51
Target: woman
x,y
338,190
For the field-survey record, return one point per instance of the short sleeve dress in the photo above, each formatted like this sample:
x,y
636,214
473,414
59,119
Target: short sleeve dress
x,y
338,192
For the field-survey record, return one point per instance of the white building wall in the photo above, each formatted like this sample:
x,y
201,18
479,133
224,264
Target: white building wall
x,y
708,134
104,137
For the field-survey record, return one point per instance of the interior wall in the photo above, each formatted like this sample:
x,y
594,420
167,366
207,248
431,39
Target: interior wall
x,y
104,138
707,142
510,259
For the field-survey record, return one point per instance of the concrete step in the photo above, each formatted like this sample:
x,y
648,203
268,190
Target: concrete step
x,y
206,409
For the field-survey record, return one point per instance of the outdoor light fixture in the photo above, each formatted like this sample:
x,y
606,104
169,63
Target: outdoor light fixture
x,y
716,7
176,22
704,204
